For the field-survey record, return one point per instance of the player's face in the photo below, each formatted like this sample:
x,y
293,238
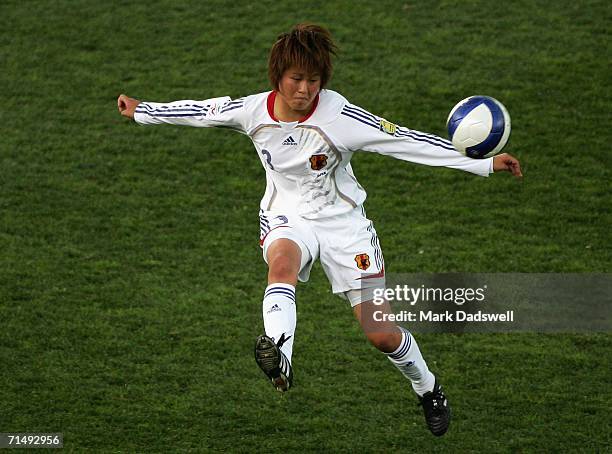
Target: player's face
x,y
298,89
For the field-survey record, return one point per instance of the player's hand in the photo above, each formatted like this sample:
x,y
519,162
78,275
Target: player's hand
x,y
127,105
507,162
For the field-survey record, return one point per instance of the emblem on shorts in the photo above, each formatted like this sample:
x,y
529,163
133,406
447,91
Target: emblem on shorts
x,y
318,161
363,261
387,127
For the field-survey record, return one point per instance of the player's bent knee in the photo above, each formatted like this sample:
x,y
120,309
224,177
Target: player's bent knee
x,y
384,341
382,333
282,268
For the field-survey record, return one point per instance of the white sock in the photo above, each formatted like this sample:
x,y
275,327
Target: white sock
x,y
279,315
408,359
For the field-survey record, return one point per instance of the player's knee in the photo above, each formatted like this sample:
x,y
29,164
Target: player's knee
x,y
385,341
282,268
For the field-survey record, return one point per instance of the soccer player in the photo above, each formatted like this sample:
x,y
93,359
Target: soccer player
x,y
305,136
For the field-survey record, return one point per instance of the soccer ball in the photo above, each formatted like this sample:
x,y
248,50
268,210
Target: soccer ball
x,y
479,126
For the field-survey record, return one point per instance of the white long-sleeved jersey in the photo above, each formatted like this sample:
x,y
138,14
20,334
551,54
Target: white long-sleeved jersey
x,y
307,163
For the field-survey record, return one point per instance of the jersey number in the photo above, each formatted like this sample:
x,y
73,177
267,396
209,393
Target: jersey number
x,y
268,156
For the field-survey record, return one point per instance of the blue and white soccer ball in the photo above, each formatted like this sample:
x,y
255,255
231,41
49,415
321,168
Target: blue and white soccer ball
x,y
479,126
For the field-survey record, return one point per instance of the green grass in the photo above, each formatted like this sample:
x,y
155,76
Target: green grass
x,y
130,272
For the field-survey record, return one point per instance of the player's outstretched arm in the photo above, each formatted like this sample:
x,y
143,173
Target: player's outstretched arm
x,y
207,113
508,163
127,105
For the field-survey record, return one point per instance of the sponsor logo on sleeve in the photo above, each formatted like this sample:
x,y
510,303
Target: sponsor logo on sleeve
x,y
388,127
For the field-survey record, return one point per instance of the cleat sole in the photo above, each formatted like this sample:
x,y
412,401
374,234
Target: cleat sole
x,y
267,356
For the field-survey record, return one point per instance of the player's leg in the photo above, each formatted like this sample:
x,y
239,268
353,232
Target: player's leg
x,y
352,260
273,350
284,258
397,343
403,351
286,255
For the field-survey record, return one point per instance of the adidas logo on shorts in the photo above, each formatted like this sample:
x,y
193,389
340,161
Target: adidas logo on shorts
x,y
289,141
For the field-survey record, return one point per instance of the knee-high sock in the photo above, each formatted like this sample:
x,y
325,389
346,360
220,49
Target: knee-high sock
x,y
408,359
279,315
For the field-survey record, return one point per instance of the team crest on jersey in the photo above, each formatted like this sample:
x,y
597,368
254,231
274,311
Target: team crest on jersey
x,y
388,127
363,261
318,161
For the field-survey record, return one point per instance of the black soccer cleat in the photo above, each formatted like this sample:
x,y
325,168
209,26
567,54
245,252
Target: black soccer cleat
x,y
437,410
273,362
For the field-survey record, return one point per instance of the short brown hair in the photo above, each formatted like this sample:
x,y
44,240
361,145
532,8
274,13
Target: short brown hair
x,y
306,46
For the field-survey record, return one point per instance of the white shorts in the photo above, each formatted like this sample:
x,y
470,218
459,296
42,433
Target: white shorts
x,y
346,244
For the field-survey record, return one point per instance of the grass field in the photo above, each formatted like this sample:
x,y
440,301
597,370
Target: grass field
x,y
130,273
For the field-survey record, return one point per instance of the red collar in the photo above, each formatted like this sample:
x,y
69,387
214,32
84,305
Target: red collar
x,y
272,98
